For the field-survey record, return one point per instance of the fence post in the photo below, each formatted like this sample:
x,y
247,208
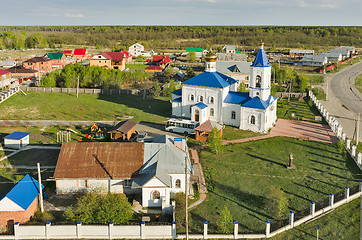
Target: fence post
x,y
312,208
360,186
354,148
359,158
142,236
344,137
47,227
346,193
236,229
267,229
79,224
348,144
339,131
205,229
291,219
174,236
16,227
331,200
110,230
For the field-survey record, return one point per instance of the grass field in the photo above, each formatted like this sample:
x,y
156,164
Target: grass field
x,y
231,133
316,79
137,66
301,110
91,107
343,224
241,177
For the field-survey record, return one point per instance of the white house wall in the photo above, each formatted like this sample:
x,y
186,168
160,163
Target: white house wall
x,y
147,200
12,143
259,125
176,109
7,205
75,185
227,110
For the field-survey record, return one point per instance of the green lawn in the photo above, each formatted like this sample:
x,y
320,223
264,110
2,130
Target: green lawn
x,y
342,223
316,79
231,133
241,177
358,80
300,108
137,66
91,107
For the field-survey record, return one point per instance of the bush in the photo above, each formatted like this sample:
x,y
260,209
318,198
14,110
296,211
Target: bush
x,y
42,217
340,146
276,203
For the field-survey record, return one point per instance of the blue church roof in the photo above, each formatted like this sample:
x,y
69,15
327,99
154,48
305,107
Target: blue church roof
x,y
16,135
24,192
256,102
177,92
177,99
210,79
201,105
236,98
260,59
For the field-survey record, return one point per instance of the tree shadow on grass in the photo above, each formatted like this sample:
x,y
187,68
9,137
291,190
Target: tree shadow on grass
x,y
327,164
267,160
327,183
313,189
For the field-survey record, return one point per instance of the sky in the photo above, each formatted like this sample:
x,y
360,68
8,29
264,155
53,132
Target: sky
x,y
182,12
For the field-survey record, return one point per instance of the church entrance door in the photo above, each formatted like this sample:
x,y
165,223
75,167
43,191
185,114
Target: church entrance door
x,y
196,115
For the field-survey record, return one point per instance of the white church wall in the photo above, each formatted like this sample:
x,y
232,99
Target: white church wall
x,y
176,109
147,193
227,114
245,121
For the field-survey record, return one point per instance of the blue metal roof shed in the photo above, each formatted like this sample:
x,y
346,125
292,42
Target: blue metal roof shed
x,y
16,135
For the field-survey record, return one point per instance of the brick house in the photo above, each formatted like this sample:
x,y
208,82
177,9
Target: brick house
x,y
115,60
20,203
23,73
41,64
58,60
80,53
127,56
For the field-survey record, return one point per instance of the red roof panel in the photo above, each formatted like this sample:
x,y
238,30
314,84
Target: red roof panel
x,y
115,56
80,51
2,72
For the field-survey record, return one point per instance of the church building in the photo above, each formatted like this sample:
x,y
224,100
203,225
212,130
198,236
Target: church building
x,y
214,96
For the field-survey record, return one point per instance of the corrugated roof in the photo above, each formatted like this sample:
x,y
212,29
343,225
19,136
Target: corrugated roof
x,y
177,99
154,68
194,49
114,56
2,72
211,79
16,135
260,60
24,192
123,126
201,105
236,98
178,92
208,126
55,56
38,59
120,160
22,70
80,51
256,102
229,67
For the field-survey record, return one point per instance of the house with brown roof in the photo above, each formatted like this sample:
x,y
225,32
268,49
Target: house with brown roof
x,y
115,60
23,72
203,131
41,64
151,170
123,130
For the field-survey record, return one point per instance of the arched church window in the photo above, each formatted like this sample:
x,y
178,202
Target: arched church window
x,y
201,98
211,112
211,100
178,183
258,81
156,195
252,119
191,97
233,115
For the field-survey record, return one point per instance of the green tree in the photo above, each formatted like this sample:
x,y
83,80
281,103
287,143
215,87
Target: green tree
x,y
214,141
276,202
302,82
242,87
191,56
156,89
190,72
180,209
225,221
94,207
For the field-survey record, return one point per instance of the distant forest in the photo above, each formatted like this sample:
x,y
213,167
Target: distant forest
x,y
180,37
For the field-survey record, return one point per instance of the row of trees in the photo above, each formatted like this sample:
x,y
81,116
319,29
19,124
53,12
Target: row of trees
x,y
93,77
288,76
21,40
161,37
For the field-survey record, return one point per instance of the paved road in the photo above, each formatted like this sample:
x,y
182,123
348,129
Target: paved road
x,y
344,101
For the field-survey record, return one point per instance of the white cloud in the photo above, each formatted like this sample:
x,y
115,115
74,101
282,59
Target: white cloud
x,y
328,5
70,15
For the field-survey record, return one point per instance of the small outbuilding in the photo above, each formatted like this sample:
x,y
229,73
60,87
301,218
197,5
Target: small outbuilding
x,y
203,131
16,140
20,203
123,130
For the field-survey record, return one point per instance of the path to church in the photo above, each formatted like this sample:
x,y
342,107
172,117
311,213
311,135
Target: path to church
x,y
285,128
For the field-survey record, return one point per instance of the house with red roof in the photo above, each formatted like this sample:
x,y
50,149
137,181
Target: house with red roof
x,y
5,78
127,56
161,60
68,53
115,60
80,53
155,69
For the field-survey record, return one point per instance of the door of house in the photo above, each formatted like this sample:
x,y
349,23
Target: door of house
x,y
196,115
21,143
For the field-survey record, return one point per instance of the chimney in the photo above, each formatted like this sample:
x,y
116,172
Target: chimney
x,y
178,142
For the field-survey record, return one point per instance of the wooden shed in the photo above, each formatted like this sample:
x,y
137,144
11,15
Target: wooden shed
x,y
203,131
123,130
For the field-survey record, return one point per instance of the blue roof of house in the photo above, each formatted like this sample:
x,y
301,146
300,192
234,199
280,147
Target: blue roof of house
x,y
177,99
24,192
177,92
201,105
211,79
256,102
260,59
237,97
16,135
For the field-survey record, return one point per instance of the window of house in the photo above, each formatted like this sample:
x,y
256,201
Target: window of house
x,y
247,78
100,61
252,119
258,81
211,100
233,115
211,112
127,182
156,195
191,97
201,98
178,183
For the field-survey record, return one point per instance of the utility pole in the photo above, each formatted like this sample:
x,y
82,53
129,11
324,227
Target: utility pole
x,y
144,89
357,129
77,85
40,190
324,76
186,198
